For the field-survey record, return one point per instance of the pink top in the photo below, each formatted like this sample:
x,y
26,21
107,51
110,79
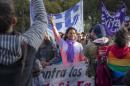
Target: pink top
x,y
78,49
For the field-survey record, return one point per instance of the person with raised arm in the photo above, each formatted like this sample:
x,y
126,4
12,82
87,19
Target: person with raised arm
x,y
71,50
17,51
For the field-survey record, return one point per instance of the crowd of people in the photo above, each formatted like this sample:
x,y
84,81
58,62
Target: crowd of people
x,y
91,45
24,56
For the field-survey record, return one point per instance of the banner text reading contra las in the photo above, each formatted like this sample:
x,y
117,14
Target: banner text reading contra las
x,y
70,75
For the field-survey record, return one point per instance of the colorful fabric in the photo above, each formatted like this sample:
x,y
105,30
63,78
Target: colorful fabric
x,y
120,53
118,68
70,51
119,60
116,19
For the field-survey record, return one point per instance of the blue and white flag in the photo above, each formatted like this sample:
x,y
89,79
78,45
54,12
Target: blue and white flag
x,y
71,17
112,23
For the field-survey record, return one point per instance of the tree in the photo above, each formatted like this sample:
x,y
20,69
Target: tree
x,y
91,8
56,6
53,7
22,13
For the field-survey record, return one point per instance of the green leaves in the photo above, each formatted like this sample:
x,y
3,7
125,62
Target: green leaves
x,y
59,5
91,8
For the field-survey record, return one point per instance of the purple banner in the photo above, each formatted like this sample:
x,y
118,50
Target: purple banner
x,y
112,23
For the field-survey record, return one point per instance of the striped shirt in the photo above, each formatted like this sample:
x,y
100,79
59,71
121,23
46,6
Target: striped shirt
x,y
10,45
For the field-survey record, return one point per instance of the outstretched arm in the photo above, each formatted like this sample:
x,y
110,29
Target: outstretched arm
x,y
56,33
35,34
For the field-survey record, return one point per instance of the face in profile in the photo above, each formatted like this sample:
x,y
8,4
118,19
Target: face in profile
x,y
71,35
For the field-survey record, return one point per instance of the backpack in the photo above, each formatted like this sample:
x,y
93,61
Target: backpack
x,y
10,74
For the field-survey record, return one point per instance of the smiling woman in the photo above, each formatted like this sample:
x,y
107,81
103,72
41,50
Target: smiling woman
x,y
71,50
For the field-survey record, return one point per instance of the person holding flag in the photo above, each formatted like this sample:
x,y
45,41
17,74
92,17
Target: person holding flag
x,y
71,51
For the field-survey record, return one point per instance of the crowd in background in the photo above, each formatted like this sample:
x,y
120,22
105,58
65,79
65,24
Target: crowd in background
x,y
91,43
23,57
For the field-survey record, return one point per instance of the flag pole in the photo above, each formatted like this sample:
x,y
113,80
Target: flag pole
x,y
82,17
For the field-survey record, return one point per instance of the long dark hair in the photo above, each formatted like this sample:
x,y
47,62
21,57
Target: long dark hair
x,y
70,28
6,12
121,38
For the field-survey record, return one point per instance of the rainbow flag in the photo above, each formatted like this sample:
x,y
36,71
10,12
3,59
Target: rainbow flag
x,y
117,65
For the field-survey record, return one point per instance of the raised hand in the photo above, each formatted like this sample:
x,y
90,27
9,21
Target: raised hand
x,y
51,20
